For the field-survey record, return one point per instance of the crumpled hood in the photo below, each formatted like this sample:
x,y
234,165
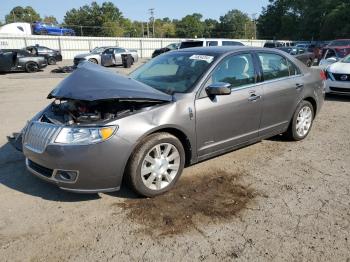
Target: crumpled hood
x,y
90,82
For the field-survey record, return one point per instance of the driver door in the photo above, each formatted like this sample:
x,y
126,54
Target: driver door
x,y
224,122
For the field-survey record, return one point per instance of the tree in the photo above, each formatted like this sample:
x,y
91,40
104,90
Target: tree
x,y
210,28
22,14
234,25
95,20
50,20
190,26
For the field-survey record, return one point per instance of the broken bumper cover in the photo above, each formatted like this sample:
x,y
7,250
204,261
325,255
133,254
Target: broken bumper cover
x,y
83,169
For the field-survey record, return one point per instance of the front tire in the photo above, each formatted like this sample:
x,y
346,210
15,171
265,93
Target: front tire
x,y
302,121
93,60
156,165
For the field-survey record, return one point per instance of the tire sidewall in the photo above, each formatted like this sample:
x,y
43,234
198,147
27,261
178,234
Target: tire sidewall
x,y
27,67
51,61
301,105
137,161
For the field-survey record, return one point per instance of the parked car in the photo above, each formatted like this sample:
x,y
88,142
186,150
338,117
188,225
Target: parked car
x,y
94,56
332,54
301,54
14,60
52,56
338,77
209,42
274,44
41,28
113,56
339,42
168,48
178,109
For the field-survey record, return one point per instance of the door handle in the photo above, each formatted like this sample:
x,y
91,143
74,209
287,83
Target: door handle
x,y
299,86
254,98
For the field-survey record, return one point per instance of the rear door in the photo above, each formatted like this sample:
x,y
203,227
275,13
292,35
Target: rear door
x,y
223,122
282,87
118,55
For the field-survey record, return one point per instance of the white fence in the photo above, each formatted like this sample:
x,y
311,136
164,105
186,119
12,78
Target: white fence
x,y
73,45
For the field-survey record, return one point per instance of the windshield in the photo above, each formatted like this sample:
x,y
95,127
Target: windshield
x,y
346,59
97,50
174,72
339,43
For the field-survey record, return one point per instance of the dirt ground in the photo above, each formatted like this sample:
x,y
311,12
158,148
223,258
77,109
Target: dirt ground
x,y
273,201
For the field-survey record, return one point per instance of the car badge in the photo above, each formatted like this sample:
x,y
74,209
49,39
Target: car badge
x,y
344,78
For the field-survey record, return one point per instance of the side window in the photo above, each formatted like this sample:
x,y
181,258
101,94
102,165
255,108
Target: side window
x,y
109,51
330,53
119,50
274,66
212,43
237,70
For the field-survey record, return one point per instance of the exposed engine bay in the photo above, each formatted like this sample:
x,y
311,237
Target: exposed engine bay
x,y
78,112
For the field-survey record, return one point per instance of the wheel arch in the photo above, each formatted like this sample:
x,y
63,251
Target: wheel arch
x,y
313,103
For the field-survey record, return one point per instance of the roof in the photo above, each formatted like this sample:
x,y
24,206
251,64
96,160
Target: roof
x,y
220,50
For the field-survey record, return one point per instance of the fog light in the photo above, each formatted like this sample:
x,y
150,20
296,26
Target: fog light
x,y
66,176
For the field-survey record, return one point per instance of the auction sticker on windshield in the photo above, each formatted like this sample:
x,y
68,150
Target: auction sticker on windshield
x,y
205,58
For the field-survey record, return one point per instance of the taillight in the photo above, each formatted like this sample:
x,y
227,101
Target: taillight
x,y
323,75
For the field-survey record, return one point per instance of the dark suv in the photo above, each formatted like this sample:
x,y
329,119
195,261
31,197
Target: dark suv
x,y
52,56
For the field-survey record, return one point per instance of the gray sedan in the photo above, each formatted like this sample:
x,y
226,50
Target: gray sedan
x,y
178,109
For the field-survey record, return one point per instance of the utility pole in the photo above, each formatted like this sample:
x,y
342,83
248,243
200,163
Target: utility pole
x,y
147,29
151,19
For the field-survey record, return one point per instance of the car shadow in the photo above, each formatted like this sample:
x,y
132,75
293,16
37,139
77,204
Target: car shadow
x,y
338,98
14,175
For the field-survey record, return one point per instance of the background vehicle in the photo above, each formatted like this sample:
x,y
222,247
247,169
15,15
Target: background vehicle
x,y
301,54
168,48
52,56
12,60
209,42
188,105
338,77
94,56
332,54
16,29
113,56
40,28
274,44
339,42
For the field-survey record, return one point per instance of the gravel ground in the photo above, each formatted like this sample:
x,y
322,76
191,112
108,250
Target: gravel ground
x,y
273,201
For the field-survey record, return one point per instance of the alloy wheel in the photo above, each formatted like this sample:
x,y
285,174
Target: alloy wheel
x,y
304,121
160,166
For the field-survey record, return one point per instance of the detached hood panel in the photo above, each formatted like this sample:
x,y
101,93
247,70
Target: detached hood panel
x,y
90,82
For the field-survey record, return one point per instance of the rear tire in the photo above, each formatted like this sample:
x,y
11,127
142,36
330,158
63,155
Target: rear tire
x,y
31,67
156,165
51,61
43,32
302,121
309,63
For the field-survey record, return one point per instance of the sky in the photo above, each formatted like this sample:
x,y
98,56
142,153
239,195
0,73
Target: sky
x,y
138,9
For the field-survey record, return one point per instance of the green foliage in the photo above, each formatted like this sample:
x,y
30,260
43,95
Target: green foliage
x,y
96,20
190,26
305,19
22,14
50,20
234,24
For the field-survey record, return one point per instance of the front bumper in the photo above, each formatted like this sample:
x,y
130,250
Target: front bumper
x,y
338,87
99,167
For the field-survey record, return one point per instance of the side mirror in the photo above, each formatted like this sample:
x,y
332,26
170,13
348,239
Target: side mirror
x,y
332,59
218,89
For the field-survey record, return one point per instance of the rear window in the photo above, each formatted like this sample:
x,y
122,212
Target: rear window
x,y
191,44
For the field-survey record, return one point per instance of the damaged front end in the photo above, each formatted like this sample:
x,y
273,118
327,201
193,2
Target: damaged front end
x,y
90,97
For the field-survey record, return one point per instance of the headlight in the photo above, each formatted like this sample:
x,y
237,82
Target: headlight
x,y
84,135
